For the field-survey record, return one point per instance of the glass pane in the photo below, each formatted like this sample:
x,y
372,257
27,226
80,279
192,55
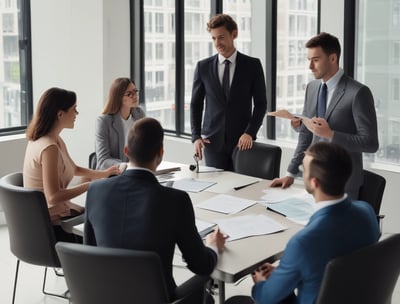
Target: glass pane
x,y
250,18
159,21
10,86
297,22
378,66
197,45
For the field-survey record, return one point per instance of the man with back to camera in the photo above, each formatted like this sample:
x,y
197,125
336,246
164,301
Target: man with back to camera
x,y
337,227
134,211
228,85
349,119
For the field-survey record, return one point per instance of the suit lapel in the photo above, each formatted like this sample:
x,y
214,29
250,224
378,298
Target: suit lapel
x,y
337,96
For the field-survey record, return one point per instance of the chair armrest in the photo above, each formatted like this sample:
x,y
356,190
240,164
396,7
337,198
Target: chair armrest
x,y
189,286
68,224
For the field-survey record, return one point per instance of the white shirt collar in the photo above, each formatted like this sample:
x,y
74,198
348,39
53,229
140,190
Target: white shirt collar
x,y
334,80
232,59
323,204
132,167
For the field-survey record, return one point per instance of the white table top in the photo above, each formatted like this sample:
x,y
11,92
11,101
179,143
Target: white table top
x,y
242,256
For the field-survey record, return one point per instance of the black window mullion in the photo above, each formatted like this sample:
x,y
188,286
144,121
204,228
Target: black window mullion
x,y
137,47
180,66
270,62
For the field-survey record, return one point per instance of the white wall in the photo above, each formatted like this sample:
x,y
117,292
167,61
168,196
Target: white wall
x,y
84,45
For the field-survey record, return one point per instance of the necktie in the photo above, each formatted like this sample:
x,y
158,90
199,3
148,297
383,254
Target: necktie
x,y
321,104
225,78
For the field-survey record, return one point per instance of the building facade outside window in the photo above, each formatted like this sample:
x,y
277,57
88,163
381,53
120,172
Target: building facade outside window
x,y
15,95
378,66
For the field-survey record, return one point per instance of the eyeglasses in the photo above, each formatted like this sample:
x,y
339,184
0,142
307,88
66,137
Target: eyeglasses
x,y
132,93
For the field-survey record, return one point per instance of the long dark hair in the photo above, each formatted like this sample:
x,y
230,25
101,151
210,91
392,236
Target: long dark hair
x,y
116,93
51,102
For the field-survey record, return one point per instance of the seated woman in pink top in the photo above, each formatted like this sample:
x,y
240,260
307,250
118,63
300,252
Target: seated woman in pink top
x,y
48,166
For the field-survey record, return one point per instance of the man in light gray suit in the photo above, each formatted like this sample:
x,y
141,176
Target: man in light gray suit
x,y
349,119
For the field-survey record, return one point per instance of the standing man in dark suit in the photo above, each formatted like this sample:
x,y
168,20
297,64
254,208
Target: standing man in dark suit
x,y
231,87
134,211
349,119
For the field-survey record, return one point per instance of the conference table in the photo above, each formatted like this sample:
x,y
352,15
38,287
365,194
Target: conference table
x,y
240,257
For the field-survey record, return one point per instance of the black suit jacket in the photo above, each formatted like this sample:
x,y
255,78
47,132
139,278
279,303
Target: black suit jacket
x,y
226,120
134,211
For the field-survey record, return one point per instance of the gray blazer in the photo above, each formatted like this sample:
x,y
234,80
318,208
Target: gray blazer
x,y
351,115
110,139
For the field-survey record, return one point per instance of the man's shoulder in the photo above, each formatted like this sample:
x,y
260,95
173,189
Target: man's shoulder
x,y
247,58
207,60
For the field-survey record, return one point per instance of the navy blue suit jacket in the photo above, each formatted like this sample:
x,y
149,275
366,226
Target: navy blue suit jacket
x,y
226,120
134,211
332,231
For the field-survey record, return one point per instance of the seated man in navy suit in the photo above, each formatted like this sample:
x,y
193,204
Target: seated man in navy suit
x,y
337,227
134,211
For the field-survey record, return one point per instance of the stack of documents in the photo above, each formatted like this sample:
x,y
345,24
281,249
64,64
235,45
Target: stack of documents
x,y
190,184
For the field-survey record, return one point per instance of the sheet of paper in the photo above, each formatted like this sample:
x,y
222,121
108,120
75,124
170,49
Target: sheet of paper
x,y
225,204
239,227
278,194
298,208
285,114
190,184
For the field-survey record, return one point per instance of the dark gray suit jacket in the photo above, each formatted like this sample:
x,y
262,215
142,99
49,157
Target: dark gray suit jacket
x,y
351,115
110,139
226,120
134,211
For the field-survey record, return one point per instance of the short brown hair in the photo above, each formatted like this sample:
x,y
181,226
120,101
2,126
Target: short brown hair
x,y
329,44
331,165
145,140
222,20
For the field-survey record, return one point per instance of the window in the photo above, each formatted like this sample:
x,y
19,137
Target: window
x,y
15,69
296,24
378,67
160,70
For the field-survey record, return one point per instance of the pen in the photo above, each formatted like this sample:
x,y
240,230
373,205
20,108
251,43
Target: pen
x,y
244,186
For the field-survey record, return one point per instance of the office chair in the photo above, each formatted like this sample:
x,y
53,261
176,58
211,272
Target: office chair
x,y
31,233
372,192
263,161
100,275
92,160
367,275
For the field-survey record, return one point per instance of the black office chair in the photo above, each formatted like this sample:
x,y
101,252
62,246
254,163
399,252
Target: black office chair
x,y
367,276
263,161
30,229
99,275
92,160
372,192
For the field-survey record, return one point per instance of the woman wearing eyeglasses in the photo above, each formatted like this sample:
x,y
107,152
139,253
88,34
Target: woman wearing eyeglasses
x,y
119,114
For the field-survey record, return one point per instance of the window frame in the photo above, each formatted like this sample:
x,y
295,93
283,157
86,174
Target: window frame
x,y
25,66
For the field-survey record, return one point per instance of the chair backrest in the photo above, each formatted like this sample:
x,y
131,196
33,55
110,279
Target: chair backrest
x,y
31,233
97,275
263,161
92,160
372,190
367,276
